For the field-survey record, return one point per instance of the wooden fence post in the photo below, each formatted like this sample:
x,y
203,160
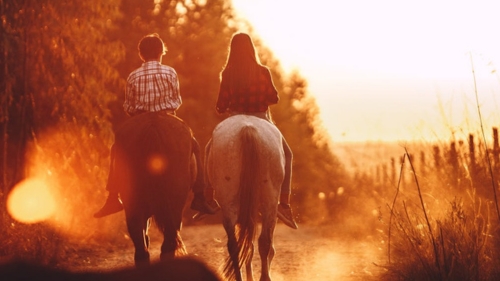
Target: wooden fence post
x,y
496,150
393,171
472,159
423,164
453,162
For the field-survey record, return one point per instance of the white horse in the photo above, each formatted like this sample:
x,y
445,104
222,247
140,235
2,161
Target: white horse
x,y
245,165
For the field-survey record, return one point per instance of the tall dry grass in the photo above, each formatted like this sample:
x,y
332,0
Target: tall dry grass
x,y
451,234
74,164
429,242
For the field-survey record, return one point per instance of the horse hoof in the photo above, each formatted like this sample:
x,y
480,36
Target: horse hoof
x,y
141,259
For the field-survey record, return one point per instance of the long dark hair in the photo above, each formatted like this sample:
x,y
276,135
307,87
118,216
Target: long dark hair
x,y
242,66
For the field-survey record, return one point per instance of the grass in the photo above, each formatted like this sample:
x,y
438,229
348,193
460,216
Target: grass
x,y
452,236
453,246
438,216
460,246
462,242
437,224
75,175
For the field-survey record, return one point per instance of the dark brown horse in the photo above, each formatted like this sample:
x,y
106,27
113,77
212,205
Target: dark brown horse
x,y
155,168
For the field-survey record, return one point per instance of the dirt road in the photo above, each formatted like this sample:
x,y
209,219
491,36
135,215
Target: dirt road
x,y
309,253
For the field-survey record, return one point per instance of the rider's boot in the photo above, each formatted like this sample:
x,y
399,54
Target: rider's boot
x,y
285,211
113,205
204,203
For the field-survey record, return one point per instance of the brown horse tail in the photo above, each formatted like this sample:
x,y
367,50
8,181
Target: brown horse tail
x,y
166,212
248,213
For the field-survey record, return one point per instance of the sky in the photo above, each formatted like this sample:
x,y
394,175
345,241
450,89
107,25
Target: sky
x,y
389,70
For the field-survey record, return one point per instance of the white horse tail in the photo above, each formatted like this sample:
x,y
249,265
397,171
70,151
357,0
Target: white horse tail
x,y
248,193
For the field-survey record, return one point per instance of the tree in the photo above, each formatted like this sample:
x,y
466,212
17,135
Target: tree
x,y
76,57
316,170
57,67
197,34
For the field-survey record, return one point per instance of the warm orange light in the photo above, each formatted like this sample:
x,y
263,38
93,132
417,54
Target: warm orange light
x,y
31,201
157,164
340,191
321,196
381,73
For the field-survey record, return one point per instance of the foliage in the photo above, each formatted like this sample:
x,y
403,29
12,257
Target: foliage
x,y
62,74
315,169
448,238
197,34
58,69
58,77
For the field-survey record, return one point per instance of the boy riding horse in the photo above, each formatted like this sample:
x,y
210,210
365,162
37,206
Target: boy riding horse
x,y
153,87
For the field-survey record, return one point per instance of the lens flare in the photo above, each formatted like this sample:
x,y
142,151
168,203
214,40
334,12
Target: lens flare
x,y
30,201
157,164
340,191
321,196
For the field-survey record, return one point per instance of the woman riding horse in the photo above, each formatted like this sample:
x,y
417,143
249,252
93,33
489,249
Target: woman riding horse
x,y
247,88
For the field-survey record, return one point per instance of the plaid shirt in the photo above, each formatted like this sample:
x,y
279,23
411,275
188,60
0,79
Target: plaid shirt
x,y
255,98
152,87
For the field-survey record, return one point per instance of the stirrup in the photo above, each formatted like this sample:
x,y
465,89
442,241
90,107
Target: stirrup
x,y
109,208
286,216
202,206
199,216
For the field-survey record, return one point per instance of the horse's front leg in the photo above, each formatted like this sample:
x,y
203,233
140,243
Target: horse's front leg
x,y
136,226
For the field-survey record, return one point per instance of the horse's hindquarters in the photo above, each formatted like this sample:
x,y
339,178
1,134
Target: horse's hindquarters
x,y
224,162
155,154
245,165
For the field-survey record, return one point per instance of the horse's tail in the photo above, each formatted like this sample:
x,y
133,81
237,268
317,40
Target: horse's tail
x,y
248,213
160,189
153,187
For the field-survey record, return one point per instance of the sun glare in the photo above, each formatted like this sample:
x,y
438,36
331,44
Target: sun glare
x,y
31,201
386,70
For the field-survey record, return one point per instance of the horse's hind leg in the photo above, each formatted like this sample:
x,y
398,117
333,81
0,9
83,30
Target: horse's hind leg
x,y
168,247
146,235
249,270
266,249
137,230
172,242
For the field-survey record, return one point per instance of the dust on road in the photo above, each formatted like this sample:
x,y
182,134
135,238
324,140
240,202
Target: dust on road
x,y
309,253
